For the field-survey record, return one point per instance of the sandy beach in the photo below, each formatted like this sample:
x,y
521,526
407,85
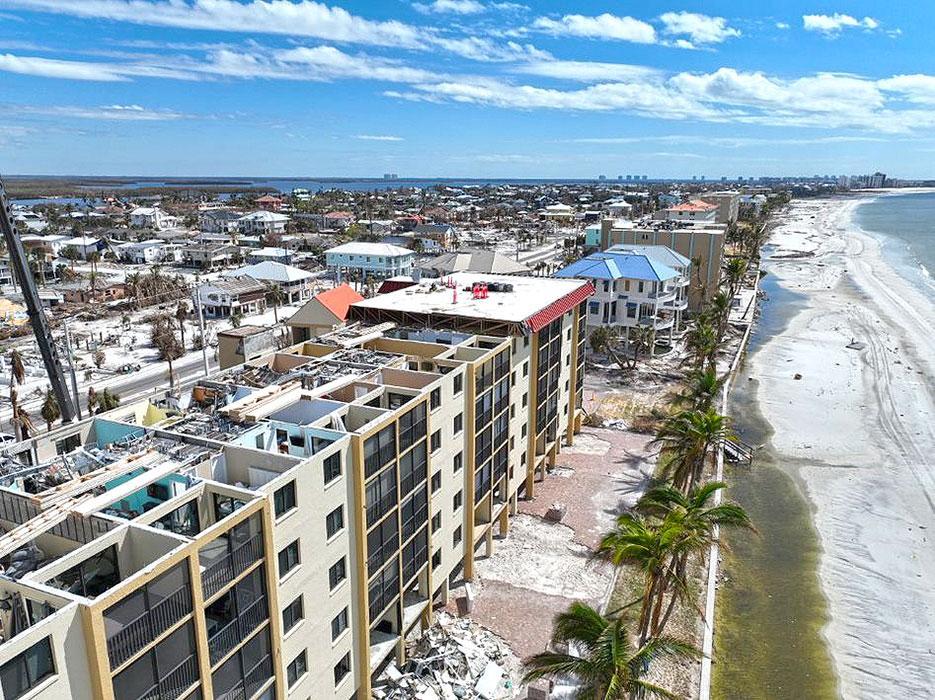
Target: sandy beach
x,y
858,430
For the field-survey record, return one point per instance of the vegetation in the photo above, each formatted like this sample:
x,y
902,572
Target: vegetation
x,y
50,410
162,335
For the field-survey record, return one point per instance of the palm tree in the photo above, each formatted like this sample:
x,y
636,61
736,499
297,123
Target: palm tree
x,y
689,436
181,313
719,309
236,319
17,377
275,296
643,341
133,282
734,273
701,390
106,401
71,255
163,338
610,666
50,410
702,342
39,257
697,519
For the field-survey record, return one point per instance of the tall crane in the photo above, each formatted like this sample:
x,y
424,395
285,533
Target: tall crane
x,y
40,325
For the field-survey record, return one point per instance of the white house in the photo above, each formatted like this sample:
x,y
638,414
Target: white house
x,y
149,252
370,259
152,217
232,295
632,289
295,283
85,245
219,221
262,223
557,212
618,208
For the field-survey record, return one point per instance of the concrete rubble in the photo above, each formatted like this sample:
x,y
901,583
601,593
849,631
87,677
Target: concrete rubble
x,y
454,659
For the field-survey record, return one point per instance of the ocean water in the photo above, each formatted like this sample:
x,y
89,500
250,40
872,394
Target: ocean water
x,y
905,225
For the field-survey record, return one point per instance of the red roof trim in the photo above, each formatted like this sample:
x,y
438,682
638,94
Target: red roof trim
x,y
541,319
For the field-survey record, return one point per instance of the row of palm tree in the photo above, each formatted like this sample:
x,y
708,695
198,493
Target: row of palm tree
x,y
673,524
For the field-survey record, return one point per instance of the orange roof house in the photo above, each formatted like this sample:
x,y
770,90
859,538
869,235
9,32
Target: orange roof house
x,y
322,313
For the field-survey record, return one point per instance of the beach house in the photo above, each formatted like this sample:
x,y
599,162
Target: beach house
x,y
378,260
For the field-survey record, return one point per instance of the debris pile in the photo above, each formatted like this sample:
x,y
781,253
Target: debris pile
x,y
455,659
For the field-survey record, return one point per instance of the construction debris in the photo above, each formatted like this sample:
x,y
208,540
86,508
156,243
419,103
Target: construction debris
x,y
556,512
455,659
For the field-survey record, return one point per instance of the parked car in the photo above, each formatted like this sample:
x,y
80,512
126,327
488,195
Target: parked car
x,y
6,439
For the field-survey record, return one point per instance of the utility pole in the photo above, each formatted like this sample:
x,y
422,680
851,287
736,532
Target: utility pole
x,y
20,266
71,367
201,326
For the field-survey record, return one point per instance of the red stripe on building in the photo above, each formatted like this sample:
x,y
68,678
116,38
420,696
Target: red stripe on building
x,y
541,319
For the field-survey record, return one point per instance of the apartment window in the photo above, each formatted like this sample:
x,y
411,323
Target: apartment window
x,y
513,378
525,341
435,399
458,383
436,560
458,462
284,499
334,521
436,521
459,423
457,500
436,481
292,614
342,668
526,368
523,432
456,537
27,670
337,573
288,558
332,467
338,624
296,669
436,443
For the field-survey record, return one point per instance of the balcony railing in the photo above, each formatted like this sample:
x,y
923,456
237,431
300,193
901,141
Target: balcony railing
x,y
145,628
177,681
237,630
252,682
231,565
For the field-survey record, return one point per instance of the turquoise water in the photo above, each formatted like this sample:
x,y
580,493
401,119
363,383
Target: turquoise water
x,y
905,224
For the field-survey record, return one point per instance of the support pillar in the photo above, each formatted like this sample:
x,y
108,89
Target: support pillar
x,y
488,541
444,593
401,651
504,522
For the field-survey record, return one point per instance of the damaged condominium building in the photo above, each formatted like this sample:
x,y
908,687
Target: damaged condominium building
x,y
280,529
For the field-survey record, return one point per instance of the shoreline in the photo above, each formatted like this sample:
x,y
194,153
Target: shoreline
x,y
855,433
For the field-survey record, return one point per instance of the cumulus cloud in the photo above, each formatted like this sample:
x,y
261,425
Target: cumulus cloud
x,y
700,29
832,25
605,26
457,7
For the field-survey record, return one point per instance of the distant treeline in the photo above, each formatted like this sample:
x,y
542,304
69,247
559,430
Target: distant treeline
x,y
34,188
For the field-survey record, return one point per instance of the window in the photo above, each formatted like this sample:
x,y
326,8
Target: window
x,y
459,423
436,441
284,499
457,501
436,560
296,669
456,537
337,573
332,467
435,399
27,670
436,481
412,426
288,558
292,614
458,383
334,521
342,668
523,431
436,521
525,400
526,368
338,624
458,462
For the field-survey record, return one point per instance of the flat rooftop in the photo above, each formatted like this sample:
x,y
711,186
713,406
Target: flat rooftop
x,y
528,297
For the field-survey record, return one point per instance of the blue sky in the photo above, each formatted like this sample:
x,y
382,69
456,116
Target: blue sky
x,y
466,88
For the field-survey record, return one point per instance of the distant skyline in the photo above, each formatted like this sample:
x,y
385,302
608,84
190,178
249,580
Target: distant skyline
x,y
466,88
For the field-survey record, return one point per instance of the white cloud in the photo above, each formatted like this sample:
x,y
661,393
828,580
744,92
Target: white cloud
x,y
700,29
377,137
832,25
782,25
305,18
134,113
605,26
917,88
587,71
457,7
54,68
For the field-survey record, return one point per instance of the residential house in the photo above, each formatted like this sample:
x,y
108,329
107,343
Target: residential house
x,y
378,260
323,313
104,291
150,252
239,345
632,290
469,260
229,296
561,213
337,219
269,202
618,209
262,223
209,256
296,284
219,221
692,211
279,255
84,245
153,218
436,236
29,220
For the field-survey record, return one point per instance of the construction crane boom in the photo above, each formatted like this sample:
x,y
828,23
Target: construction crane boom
x,y
40,325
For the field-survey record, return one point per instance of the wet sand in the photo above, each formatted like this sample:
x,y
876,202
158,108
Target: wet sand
x,y
857,431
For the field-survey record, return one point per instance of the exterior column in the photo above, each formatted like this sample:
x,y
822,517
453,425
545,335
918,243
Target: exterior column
x,y
488,541
504,522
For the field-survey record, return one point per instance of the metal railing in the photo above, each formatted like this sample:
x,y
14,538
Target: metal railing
x,y
251,683
225,570
177,681
237,630
149,625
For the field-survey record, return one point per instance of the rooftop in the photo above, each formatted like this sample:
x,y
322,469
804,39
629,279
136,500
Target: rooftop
x,y
361,248
270,270
618,265
339,300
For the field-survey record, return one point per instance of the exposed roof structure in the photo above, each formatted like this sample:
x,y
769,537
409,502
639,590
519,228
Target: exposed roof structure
x,y
614,266
237,285
694,205
476,261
